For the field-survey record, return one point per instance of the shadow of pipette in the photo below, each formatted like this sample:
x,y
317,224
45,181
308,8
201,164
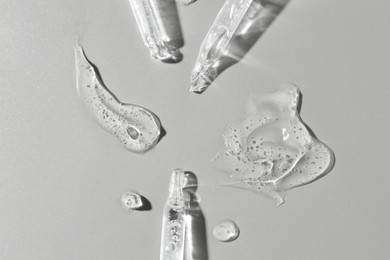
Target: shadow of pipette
x,y
196,239
254,23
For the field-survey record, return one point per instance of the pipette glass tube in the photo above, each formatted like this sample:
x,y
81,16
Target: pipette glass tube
x,y
173,224
159,32
185,2
216,42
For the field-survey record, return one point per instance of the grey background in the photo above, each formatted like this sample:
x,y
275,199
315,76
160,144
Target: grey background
x,y
61,176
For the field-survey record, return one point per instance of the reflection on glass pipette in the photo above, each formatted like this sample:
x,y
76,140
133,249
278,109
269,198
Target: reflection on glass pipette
x,y
186,2
173,225
195,247
216,42
160,28
228,41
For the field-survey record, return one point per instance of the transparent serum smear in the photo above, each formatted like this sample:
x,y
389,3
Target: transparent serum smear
x,y
226,231
271,151
137,128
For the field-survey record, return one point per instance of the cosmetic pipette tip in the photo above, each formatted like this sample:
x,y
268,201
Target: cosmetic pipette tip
x,y
165,53
200,84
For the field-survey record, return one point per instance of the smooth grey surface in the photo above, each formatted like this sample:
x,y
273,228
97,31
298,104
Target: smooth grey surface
x,y
62,176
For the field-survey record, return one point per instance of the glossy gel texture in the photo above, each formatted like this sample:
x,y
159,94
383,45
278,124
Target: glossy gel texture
x,y
271,151
226,231
137,128
132,200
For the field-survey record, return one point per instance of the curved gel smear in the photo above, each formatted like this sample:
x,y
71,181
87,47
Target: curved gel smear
x,y
136,127
271,151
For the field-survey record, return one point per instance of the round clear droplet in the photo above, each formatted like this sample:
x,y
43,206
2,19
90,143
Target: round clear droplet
x,y
226,231
132,200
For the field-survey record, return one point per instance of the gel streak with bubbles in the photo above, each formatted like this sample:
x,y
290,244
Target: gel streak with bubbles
x,y
271,151
137,128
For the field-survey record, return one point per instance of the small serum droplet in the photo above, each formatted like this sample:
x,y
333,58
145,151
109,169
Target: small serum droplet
x,y
226,231
132,200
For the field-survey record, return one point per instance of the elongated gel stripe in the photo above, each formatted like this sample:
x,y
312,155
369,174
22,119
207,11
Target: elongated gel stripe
x,y
137,128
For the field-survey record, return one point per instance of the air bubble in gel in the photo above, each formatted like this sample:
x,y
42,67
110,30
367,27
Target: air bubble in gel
x,y
271,150
137,128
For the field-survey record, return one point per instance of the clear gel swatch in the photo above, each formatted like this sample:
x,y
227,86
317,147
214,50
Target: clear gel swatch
x,y
132,200
216,42
152,18
226,231
271,151
137,128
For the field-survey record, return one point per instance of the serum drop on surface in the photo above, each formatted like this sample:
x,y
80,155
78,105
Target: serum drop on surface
x,y
226,231
271,150
132,200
